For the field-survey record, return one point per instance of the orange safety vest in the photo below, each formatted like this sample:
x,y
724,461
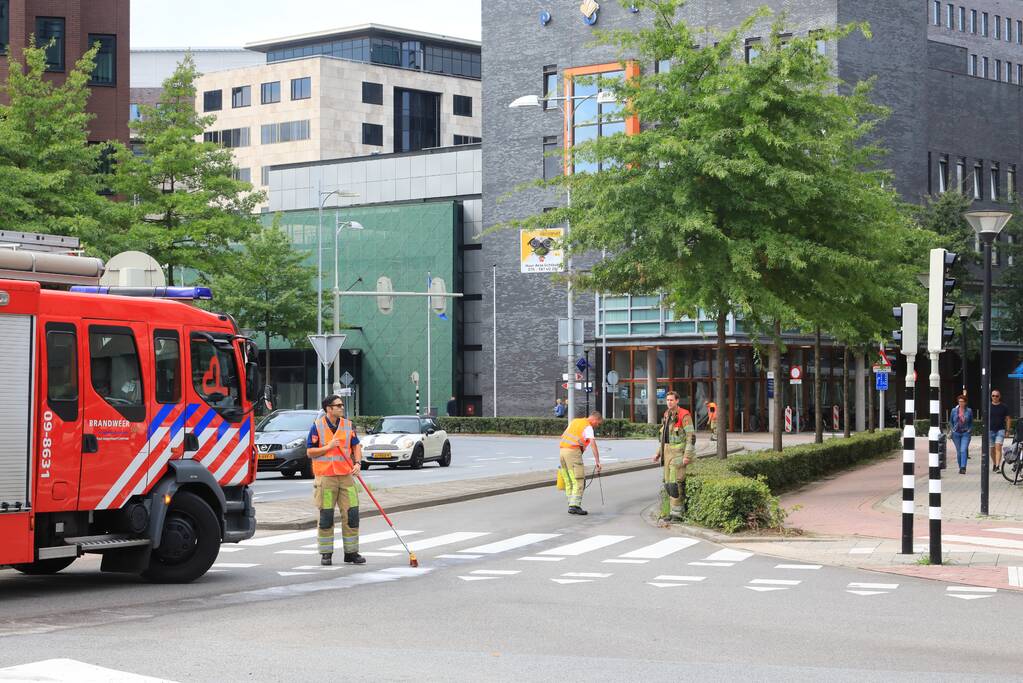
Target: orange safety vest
x,y
336,461
573,436
712,410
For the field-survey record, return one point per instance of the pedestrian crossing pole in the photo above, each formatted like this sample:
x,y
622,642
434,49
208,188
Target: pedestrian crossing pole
x,y
937,284
908,315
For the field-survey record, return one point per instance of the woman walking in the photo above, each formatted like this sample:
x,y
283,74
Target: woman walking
x,y
961,424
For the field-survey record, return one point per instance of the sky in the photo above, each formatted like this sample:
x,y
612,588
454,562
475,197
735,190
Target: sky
x,y
232,23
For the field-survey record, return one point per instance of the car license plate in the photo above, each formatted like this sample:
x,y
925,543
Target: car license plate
x,y
382,456
266,456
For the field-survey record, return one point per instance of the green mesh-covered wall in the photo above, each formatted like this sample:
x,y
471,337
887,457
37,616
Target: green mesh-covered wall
x,y
403,242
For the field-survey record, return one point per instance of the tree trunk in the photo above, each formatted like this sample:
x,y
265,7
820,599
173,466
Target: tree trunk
x,y
779,408
870,403
818,412
719,388
845,391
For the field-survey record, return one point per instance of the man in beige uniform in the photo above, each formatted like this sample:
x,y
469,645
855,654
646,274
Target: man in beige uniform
x,y
677,447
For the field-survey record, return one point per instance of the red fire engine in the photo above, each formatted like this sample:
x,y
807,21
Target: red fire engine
x,y
126,423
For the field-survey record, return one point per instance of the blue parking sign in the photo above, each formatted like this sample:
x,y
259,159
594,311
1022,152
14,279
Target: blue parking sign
x,y
881,381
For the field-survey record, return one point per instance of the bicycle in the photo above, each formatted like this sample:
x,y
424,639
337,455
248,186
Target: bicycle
x,y
1012,460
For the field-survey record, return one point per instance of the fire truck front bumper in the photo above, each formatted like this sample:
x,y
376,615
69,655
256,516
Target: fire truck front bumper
x,y
240,515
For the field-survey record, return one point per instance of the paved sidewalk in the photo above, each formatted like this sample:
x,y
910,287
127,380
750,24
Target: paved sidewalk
x,y
854,519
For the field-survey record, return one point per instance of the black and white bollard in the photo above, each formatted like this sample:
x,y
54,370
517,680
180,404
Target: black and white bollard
x,y
908,459
934,465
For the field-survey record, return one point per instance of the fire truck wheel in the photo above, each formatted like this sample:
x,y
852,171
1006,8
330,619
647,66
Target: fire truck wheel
x,y
45,566
190,541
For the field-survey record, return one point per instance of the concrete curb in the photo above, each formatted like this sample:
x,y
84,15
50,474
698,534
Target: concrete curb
x,y
496,486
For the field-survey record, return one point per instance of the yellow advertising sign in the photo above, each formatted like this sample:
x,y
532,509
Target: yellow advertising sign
x,y
540,251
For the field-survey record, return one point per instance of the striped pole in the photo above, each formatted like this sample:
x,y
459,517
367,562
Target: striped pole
x,y
908,458
417,400
934,466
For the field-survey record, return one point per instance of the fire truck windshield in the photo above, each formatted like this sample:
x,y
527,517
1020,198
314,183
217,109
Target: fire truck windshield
x,y
215,376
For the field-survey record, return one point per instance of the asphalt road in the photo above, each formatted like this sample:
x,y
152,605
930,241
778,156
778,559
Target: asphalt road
x,y
513,588
472,457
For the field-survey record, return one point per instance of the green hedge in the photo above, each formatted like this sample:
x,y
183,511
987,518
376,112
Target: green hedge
x,y
525,426
741,492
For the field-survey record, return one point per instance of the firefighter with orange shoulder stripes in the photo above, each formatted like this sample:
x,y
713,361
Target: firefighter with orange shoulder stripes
x,y
334,450
676,447
577,438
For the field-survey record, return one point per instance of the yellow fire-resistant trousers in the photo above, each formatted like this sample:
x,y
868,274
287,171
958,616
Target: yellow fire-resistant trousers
x,y
340,491
574,474
675,479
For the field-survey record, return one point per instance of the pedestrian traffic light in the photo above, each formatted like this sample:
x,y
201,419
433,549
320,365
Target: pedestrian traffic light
x,y
906,335
940,285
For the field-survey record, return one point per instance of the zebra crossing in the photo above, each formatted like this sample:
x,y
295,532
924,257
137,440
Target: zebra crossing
x,y
659,563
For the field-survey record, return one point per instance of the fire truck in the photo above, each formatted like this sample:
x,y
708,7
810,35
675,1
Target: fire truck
x,y
126,423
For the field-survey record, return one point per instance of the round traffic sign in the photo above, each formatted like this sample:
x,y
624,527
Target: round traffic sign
x,y
796,372
612,378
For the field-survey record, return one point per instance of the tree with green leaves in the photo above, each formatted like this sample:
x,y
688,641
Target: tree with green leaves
x,y
751,189
269,289
187,209
49,172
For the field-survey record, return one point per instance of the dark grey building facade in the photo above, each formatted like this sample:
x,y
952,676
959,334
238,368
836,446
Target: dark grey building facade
x,y
954,123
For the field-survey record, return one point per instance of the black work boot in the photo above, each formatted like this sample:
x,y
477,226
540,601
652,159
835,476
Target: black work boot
x,y
326,559
354,558
576,510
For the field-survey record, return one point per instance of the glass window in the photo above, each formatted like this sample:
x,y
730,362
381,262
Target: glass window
x,y
592,120
5,25
62,370
104,71
134,114
1019,31
949,12
961,175
995,182
752,49
264,175
215,376
998,69
961,19
372,93
1010,182
983,24
114,370
467,139
820,43
986,71
550,85
1008,30
167,349
553,163
241,96
416,120
973,21
242,174
978,174
462,105
971,65
372,134
212,100
270,92
936,12
288,131
943,173
998,27
51,29
301,88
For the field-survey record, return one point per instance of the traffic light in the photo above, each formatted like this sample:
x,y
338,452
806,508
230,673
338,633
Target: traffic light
x,y
906,335
940,284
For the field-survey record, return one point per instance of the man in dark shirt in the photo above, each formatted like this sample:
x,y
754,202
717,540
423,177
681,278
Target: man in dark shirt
x,y
452,407
1000,423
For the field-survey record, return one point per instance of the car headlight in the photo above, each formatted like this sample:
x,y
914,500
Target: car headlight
x,y
406,442
294,444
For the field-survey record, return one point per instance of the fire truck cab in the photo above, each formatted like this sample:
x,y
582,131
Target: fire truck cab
x,y
126,423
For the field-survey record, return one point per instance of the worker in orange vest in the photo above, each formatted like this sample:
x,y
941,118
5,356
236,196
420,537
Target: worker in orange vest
x,y
577,438
335,452
712,419
677,448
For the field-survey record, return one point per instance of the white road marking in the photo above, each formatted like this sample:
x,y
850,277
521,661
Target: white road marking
x,y
729,555
542,559
665,585
586,545
881,586
776,582
374,537
661,549
970,589
234,565
478,578
459,557
669,577
295,552
511,543
587,575
230,549
984,540
572,580
279,538
1008,530
1016,576
295,573
497,572
318,567
621,561
968,596
764,589
72,670
861,551
858,592
712,564
797,566
370,553
446,539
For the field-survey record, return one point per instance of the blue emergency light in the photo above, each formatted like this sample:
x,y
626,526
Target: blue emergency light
x,y
180,293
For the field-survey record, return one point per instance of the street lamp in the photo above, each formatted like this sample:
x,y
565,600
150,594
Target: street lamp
x,y
987,225
351,225
321,380
964,311
526,101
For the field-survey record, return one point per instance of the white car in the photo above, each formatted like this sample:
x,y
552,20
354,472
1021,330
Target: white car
x,y
405,440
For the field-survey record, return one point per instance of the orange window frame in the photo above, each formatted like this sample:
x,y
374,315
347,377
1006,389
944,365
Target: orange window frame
x,y
631,122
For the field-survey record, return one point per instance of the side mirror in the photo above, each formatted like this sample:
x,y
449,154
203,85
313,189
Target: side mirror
x,y
371,430
430,430
251,380
268,397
